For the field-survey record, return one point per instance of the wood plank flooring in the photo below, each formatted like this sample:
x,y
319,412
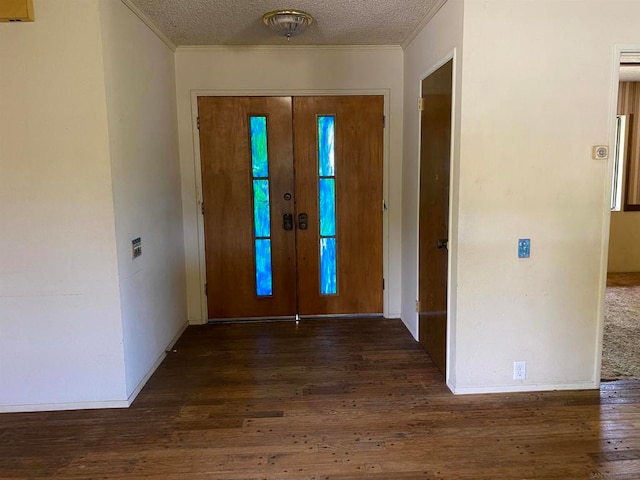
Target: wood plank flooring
x,y
325,400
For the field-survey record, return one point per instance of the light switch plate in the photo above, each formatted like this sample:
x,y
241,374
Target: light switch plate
x,y
524,248
136,247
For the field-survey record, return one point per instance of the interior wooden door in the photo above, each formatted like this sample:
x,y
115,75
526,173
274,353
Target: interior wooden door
x,y
435,151
247,177
338,171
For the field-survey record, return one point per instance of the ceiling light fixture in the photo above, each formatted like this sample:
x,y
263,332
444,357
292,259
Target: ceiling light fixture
x,y
287,23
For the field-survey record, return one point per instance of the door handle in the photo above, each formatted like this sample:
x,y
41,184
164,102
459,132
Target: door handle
x,y
303,221
444,243
287,221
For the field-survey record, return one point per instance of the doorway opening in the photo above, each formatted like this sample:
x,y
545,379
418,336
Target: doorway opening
x,y
621,325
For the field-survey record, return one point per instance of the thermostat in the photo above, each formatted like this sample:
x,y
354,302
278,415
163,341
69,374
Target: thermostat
x,y
600,152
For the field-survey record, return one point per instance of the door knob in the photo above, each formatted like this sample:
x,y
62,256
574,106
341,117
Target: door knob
x,y
287,221
444,243
303,221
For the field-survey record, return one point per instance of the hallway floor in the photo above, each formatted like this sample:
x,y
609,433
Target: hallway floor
x,y
325,400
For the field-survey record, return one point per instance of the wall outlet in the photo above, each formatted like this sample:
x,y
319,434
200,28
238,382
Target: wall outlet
x,y
520,370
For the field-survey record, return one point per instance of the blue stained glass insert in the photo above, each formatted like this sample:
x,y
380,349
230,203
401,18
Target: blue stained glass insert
x,y
261,208
327,207
259,155
264,275
326,153
261,205
328,266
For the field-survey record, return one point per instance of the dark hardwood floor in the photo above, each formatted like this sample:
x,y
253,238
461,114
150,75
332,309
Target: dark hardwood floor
x,y
325,400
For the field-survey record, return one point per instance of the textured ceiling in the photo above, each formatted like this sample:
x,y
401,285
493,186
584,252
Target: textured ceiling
x,y
336,22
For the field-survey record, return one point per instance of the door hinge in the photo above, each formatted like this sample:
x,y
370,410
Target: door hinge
x,y
198,123
384,121
421,104
206,289
202,208
418,306
383,283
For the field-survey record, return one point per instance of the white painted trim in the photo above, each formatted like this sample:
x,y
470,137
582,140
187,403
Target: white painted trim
x,y
450,385
423,23
46,407
385,92
156,364
525,388
618,50
202,264
149,23
279,48
452,247
450,56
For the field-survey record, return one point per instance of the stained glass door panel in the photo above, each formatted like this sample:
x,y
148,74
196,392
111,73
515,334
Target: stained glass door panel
x,y
247,167
338,162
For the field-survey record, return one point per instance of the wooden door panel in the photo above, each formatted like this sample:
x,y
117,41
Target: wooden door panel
x,y
435,150
227,179
359,198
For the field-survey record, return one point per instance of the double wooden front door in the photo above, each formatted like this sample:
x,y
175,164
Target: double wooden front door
x,y
292,193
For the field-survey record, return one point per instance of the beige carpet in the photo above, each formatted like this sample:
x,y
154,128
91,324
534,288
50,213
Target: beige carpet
x,y
621,344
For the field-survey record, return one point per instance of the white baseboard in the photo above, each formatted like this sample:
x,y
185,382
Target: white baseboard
x,y
46,407
412,327
523,388
155,365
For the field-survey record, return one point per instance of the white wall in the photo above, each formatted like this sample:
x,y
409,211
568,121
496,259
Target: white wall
x,y
60,326
624,242
430,49
143,139
288,70
538,92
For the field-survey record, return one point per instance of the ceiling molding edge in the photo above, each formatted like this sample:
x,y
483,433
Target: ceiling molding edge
x,y
180,48
432,13
149,23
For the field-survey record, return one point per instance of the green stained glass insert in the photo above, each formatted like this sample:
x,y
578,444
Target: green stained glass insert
x,y
259,155
261,208
326,148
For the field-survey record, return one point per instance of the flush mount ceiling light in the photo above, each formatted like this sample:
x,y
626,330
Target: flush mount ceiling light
x,y
287,23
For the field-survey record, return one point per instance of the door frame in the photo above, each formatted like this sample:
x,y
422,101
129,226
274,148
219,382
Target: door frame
x,y
618,51
384,92
452,251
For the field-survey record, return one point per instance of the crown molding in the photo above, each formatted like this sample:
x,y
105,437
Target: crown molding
x,y
149,23
183,48
432,13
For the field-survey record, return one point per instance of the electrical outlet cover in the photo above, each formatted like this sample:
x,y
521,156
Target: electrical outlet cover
x,y
520,370
524,248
